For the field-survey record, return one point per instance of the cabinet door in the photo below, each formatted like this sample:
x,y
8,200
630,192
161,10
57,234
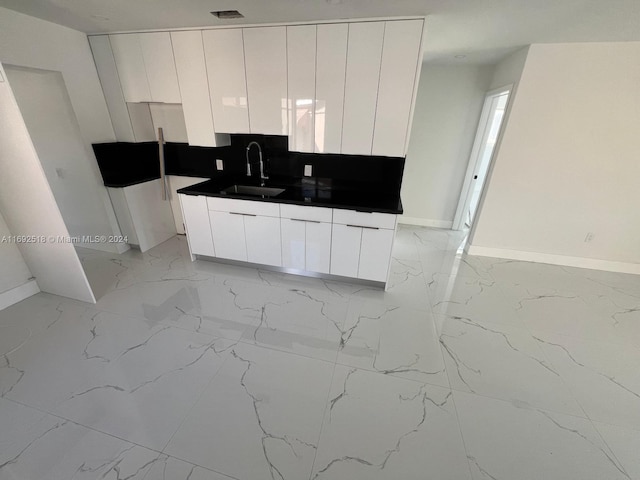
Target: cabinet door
x,y
197,226
160,66
224,54
176,183
375,252
131,70
293,243
227,230
263,240
361,86
400,62
108,73
318,247
265,51
192,78
301,74
331,57
345,250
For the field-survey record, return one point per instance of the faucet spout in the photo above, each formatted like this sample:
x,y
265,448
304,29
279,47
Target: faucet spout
x,y
263,177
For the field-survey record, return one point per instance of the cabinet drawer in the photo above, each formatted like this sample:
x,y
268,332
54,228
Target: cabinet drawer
x,y
364,219
314,214
246,207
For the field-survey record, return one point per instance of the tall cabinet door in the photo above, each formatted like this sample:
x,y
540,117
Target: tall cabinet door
x,y
375,251
196,220
398,73
318,247
131,70
265,51
301,73
293,243
345,250
361,88
224,54
161,69
108,73
331,63
192,78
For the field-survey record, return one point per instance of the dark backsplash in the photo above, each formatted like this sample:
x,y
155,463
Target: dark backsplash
x,y
124,164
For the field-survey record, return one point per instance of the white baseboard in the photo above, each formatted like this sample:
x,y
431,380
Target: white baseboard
x,y
564,260
424,222
18,294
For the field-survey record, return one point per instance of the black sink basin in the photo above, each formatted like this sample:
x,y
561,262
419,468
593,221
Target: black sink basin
x,y
253,190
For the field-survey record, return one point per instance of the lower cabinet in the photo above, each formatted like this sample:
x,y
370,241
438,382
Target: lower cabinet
x,y
361,244
239,234
313,239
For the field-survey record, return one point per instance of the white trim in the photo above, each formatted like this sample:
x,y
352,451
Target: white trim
x,y
424,222
472,164
564,260
19,293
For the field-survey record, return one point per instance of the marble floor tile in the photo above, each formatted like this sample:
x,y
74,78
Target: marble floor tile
x,y
503,362
115,374
625,445
603,377
259,418
507,441
478,299
380,427
397,341
465,367
38,446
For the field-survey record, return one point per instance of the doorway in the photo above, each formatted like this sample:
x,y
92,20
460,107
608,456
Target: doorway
x,y
493,111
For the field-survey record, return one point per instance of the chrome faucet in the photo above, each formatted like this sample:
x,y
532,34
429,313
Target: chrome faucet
x,y
263,177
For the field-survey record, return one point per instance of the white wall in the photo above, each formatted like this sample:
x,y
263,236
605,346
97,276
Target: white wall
x,y
29,208
14,271
509,70
30,42
448,107
568,161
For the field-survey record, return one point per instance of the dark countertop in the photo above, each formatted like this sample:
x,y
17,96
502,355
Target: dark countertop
x,y
317,192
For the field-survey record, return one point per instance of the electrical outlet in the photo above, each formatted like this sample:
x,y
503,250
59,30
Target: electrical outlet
x,y
589,237
308,170
219,164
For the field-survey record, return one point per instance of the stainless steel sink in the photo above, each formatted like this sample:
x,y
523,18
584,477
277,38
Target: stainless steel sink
x,y
253,190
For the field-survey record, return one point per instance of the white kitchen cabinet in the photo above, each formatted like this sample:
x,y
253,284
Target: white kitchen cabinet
x,y
306,237
142,214
265,51
262,236
398,73
375,253
364,55
108,74
227,229
175,183
127,52
196,216
157,53
194,88
301,75
224,54
331,58
345,250
361,244
146,67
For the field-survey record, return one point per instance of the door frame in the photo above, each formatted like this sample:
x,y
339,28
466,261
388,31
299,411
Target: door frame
x,y
482,131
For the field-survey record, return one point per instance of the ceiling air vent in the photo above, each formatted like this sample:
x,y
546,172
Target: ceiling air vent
x,y
227,14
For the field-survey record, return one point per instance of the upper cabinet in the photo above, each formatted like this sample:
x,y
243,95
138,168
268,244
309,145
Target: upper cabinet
x,y
364,55
331,88
192,78
331,62
301,74
265,51
224,53
146,67
398,73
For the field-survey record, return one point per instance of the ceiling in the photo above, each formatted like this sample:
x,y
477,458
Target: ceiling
x,y
481,30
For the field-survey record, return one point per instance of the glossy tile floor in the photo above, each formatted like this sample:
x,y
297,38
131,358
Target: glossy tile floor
x,y
466,368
